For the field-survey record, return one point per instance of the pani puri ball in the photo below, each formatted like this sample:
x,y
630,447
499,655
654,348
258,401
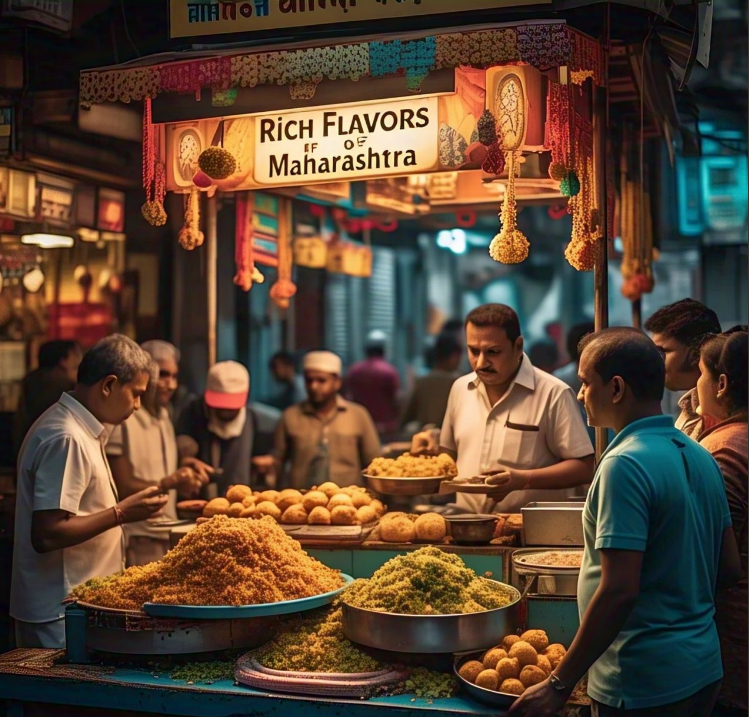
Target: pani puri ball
x,y
340,499
543,662
235,510
365,515
523,653
555,654
329,488
493,656
537,639
360,499
314,499
319,516
248,512
509,641
269,508
217,506
343,515
294,515
531,675
287,498
488,679
248,502
471,670
397,530
512,687
508,668
268,495
431,528
393,516
237,493
379,507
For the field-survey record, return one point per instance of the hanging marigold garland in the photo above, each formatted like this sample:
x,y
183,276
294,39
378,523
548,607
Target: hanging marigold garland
x,y
154,184
284,288
190,235
637,240
243,254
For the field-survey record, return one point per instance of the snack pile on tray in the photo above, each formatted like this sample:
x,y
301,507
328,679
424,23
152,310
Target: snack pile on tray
x,y
408,466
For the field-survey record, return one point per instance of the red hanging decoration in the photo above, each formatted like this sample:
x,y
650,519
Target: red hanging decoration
x,y
557,130
154,184
243,253
465,219
284,289
387,227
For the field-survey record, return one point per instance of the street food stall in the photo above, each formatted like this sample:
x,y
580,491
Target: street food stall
x,y
487,116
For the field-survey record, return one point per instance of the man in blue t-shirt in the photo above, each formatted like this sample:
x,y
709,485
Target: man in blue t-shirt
x,y
658,541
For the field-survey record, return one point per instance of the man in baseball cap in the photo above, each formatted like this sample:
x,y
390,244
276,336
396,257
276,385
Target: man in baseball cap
x,y
220,424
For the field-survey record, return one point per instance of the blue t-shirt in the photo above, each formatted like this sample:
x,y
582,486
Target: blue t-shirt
x,y
660,493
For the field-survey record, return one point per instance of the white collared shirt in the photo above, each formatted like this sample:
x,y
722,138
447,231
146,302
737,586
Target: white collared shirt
x,y
536,424
150,445
61,466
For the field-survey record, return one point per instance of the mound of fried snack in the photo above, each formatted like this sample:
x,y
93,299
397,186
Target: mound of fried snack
x,y
221,562
328,504
408,466
427,581
517,663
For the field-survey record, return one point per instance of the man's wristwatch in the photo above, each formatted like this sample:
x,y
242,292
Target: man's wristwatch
x,y
557,684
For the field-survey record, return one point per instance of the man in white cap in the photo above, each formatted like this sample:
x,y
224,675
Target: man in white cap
x,y
221,425
142,452
324,438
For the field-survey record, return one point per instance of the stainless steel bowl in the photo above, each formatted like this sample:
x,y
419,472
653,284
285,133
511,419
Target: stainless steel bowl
x,y
470,528
431,633
404,486
489,697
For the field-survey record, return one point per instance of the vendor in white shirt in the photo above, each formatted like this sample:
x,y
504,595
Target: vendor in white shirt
x,y
512,419
142,451
69,517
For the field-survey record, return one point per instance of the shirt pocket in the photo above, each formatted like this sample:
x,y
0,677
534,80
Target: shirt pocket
x,y
522,444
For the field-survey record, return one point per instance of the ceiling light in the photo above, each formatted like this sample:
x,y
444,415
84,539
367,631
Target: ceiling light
x,y
48,241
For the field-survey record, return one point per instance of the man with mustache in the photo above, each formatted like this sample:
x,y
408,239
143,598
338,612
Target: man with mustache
x,y
511,419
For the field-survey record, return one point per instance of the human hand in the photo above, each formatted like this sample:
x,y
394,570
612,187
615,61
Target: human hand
x,y
142,505
425,443
187,481
541,700
264,464
501,482
203,470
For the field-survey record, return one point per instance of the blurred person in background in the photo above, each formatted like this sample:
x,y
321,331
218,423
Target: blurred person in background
x,y
56,374
544,355
326,437
291,391
220,427
568,373
428,401
142,451
679,330
68,513
374,383
722,389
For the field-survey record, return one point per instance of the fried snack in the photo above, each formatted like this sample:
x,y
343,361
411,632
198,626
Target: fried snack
x,y
379,507
523,653
555,654
235,510
531,675
493,656
329,488
221,562
249,501
294,515
512,687
392,516
314,499
431,528
351,490
488,679
237,493
537,639
397,530
268,508
343,515
360,499
268,495
319,516
287,498
365,515
427,582
543,663
340,499
509,641
508,668
249,512
217,506
471,670
408,466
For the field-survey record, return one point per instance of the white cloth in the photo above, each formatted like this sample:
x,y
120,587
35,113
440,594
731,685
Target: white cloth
x,y
325,361
150,445
61,466
47,635
226,430
536,424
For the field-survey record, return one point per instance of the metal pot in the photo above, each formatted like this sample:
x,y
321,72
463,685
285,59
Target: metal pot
x,y
471,528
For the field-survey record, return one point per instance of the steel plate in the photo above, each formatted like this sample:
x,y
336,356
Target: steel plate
x,y
224,612
489,697
404,486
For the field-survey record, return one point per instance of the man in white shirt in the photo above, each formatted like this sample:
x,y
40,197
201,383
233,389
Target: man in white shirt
x,y
511,419
142,452
68,516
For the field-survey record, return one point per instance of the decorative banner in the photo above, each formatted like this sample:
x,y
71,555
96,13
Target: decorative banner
x,y
187,19
346,143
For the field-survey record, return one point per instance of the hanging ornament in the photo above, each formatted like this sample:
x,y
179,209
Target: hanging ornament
x,y
495,161
557,171
557,130
487,129
570,185
190,236
510,246
202,180
154,183
284,288
243,250
217,162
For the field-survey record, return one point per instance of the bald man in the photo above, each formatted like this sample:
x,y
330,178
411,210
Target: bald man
x,y
324,438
